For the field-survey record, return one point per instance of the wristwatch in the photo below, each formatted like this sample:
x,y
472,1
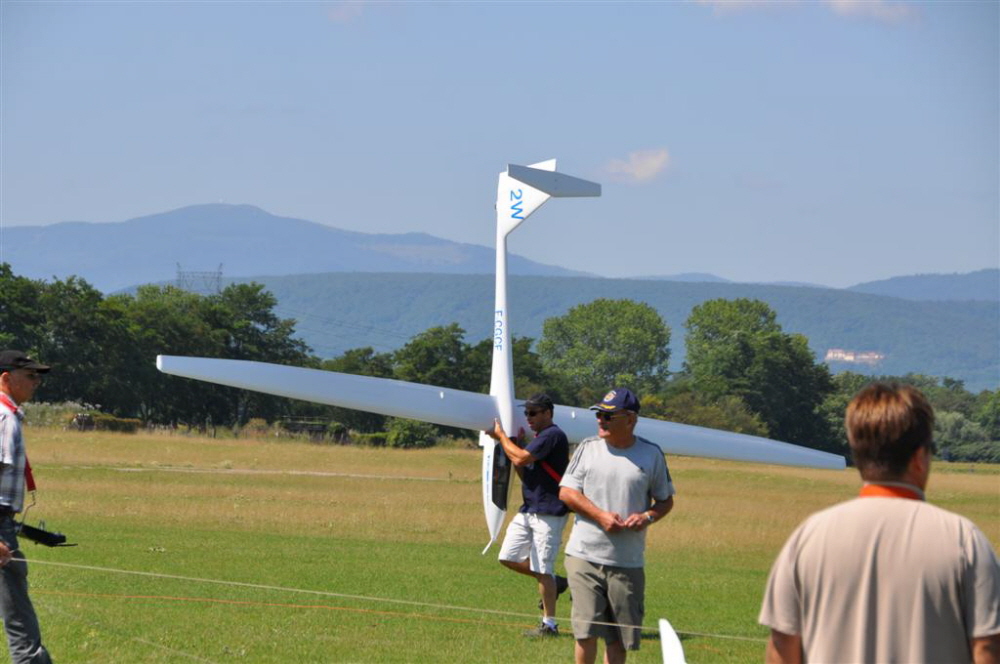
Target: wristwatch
x,y
649,517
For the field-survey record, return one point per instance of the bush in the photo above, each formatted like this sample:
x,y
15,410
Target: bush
x,y
256,426
104,422
337,432
979,451
373,439
410,434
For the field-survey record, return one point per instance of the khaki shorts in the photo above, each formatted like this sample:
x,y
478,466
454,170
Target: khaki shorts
x,y
536,538
606,594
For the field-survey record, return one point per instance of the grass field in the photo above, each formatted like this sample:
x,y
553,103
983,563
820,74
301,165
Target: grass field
x,y
195,549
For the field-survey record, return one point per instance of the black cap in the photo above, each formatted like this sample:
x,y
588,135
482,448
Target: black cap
x,y
15,359
539,400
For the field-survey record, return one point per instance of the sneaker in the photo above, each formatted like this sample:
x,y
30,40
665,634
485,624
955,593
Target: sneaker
x,y
542,630
562,585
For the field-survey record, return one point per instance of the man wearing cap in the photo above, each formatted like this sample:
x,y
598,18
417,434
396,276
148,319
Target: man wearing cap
x,y
885,577
618,485
533,536
19,377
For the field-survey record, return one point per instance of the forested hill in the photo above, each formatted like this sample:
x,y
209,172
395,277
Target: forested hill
x,y
339,311
978,285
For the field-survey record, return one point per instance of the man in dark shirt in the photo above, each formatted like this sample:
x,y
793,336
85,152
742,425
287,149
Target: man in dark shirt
x,y
533,537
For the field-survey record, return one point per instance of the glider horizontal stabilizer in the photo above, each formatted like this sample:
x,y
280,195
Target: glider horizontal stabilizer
x,y
475,411
557,185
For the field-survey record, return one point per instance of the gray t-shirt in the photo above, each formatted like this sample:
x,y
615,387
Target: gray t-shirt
x,y
618,480
885,580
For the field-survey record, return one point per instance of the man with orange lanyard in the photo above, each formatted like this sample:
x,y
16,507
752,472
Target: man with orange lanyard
x,y
19,377
534,534
885,577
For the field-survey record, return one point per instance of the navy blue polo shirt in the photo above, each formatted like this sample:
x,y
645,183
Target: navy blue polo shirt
x,y
538,488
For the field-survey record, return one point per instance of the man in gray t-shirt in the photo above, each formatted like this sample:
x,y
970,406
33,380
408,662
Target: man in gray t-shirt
x,y
617,484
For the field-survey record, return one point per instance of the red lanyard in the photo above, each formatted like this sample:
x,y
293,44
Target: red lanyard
x,y
29,478
887,491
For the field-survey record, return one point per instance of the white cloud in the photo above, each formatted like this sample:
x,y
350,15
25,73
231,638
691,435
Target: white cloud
x,y
732,6
888,11
346,11
640,166
881,10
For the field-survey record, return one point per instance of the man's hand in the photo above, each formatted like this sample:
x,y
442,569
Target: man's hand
x,y
497,431
611,522
5,554
637,521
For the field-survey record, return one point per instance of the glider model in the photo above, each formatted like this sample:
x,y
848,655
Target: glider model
x,y
521,191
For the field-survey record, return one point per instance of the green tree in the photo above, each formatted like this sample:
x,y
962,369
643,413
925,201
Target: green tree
x,y
243,318
604,344
410,434
21,314
844,386
529,377
680,403
988,413
436,356
165,320
955,435
736,347
87,341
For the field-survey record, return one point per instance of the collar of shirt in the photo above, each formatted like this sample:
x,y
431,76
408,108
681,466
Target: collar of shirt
x,y
891,490
11,405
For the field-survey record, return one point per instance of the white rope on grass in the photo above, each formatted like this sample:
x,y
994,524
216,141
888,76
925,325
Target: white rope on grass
x,y
364,598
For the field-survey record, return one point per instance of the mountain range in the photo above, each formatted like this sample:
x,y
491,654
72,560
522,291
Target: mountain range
x,y
246,241
348,289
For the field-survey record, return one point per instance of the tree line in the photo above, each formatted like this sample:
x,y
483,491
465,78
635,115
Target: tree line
x,y
742,371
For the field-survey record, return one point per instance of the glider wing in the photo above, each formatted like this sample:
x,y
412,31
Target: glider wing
x,y
471,410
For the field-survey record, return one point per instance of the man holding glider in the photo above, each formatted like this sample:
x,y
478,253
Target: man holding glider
x,y
19,377
885,577
534,534
618,485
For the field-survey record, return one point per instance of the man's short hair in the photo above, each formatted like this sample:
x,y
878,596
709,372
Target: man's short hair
x,y
886,424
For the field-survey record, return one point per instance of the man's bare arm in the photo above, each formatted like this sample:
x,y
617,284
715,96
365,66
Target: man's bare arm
x,y
986,650
580,504
517,455
783,648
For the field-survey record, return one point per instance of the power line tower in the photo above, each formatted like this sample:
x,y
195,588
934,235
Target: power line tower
x,y
201,282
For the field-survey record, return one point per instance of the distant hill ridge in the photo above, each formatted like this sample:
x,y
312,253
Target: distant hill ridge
x,y
979,285
338,311
247,240
244,239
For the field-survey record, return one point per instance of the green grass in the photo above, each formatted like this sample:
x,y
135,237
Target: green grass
x,y
392,566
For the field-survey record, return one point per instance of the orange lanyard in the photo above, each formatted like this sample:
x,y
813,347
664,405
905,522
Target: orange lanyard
x,y
886,491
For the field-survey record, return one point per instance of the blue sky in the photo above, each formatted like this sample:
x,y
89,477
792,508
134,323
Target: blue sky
x,y
825,142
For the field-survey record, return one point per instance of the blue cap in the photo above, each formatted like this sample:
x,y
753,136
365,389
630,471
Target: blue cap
x,y
620,398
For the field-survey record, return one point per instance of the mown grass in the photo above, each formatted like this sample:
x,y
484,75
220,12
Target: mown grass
x,y
384,549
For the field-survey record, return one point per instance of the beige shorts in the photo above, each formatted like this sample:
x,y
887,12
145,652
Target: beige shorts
x,y
608,601
536,538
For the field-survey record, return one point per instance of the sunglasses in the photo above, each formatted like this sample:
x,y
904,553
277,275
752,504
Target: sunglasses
x,y
607,417
33,375
532,413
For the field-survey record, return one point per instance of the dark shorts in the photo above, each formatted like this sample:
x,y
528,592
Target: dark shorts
x,y
608,601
